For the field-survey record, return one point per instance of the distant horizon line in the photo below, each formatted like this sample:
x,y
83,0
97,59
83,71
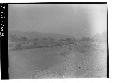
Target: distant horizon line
x,y
34,31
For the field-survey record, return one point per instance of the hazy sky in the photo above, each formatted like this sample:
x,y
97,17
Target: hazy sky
x,y
72,19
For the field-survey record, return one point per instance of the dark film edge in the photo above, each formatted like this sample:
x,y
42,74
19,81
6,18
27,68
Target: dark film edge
x,y
4,45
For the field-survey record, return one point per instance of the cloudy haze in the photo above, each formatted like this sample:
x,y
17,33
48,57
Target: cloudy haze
x,y
71,19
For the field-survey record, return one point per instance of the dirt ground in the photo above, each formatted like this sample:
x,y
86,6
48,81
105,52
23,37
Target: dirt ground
x,y
58,62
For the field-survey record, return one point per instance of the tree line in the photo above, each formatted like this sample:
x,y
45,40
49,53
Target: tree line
x,y
22,42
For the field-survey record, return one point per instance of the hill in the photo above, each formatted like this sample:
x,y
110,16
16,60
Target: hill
x,y
21,40
32,35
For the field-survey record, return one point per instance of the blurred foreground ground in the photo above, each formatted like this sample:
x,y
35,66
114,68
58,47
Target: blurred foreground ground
x,y
84,60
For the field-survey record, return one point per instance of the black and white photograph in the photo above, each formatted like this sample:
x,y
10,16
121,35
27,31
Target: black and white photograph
x,y
57,41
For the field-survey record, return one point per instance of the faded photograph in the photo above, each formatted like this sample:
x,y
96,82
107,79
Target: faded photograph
x,y
57,41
